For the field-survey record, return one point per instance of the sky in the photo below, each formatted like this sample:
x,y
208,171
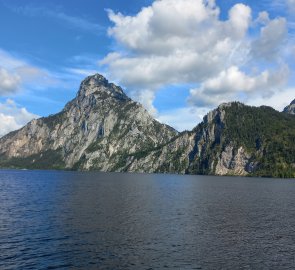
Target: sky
x,y
179,58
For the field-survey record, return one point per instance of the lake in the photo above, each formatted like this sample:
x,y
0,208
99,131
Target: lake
x,y
75,220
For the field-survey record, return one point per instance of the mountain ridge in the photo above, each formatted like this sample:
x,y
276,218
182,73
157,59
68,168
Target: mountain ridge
x,y
103,129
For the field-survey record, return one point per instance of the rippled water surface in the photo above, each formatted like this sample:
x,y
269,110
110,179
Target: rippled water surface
x,y
69,220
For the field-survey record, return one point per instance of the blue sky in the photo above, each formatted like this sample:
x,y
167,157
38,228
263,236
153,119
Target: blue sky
x,y
179,58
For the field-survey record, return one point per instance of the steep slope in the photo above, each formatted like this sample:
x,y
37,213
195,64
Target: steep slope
x,y
91,132
233,139
290,108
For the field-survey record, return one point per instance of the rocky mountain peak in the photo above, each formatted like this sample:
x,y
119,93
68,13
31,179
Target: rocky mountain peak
x,y
290,108
218,114
96,79
98,84
224,105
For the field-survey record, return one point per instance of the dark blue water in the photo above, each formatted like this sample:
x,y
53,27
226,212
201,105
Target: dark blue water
x,y
68,220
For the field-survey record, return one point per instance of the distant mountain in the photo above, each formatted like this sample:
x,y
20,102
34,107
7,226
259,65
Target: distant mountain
x,y
102,129
290,108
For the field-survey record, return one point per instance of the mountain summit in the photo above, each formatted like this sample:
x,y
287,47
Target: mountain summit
x,y
103,129
99,85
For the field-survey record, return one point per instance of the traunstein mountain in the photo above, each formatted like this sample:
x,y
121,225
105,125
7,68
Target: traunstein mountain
x,y
102,129
93,129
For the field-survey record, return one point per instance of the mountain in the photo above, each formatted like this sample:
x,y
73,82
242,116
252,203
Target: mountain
x,y
290,108
233,139
102,129
91,132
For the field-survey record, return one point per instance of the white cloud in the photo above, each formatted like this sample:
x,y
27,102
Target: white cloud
x,y
160,27
170,30
146,98
279,100
232,83
240,19
148,72
13,117
174,42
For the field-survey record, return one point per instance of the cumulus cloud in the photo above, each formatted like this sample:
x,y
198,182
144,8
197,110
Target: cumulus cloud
x,y
174,42
161,27
240,19
232,83
13,117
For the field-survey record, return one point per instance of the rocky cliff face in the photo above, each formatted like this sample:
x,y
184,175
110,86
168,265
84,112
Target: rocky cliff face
x,y
102,129
290,108
233,139
92,132
198,151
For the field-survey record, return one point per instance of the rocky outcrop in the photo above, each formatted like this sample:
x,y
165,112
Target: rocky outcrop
x,y
233,163
290,108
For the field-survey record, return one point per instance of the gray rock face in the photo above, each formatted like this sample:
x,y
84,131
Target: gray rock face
x,y
193,152
92,132
231,163
290,108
